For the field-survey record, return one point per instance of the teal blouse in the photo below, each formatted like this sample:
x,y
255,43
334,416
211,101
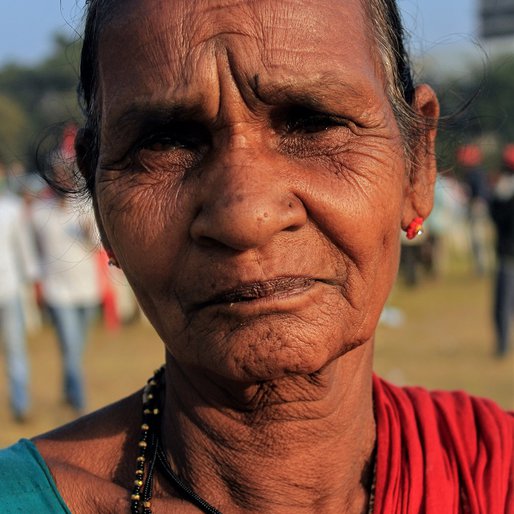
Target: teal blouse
x,y
27,485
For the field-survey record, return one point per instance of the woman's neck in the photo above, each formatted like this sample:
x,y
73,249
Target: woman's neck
x,y
299,444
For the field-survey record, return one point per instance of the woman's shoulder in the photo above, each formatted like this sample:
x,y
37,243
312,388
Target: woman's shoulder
x,y
91,454
89,440
27,485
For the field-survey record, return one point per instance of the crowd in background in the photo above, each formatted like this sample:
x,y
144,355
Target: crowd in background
x,y
53,270
473,215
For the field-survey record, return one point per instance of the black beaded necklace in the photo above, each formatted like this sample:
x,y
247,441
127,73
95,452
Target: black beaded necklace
x,y
152,454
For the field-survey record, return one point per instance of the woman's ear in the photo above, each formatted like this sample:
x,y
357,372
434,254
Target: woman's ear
x,y
419,188
86,155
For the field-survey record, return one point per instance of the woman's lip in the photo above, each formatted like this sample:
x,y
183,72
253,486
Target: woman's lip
x,y
251,291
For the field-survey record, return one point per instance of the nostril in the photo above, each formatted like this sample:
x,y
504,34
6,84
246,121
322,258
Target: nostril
x,y
210,242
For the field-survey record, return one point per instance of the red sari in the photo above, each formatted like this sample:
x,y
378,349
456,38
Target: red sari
x,y
442,453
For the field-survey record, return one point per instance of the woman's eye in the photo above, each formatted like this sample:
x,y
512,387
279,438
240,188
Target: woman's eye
x,y
182,136
161,147
162,144
307,133
312,123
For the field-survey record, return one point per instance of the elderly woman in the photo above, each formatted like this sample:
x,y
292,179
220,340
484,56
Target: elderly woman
x,y
251,165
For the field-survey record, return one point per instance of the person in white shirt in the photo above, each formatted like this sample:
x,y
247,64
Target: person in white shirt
x,y
18,264
70,287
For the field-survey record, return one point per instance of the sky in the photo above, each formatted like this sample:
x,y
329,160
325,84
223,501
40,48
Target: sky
x,y
26,26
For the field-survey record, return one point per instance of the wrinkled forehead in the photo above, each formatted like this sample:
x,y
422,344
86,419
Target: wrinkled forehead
x,y
236,14
180,27
176,46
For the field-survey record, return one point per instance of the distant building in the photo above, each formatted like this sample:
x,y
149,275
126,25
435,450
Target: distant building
x,y
497,24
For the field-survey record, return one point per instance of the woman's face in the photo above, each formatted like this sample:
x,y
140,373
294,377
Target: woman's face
x,y
252,180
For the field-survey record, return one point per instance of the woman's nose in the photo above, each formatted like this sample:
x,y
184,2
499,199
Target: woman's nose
x,y
244,207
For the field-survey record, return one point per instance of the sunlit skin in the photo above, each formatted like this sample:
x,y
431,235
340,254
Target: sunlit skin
x,y
252,183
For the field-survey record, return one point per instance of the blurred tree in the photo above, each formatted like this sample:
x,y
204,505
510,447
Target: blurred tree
x,y
479,109
13,129
46,93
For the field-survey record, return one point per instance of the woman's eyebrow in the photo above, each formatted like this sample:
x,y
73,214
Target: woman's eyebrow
x,y
147,114
320,93
315,93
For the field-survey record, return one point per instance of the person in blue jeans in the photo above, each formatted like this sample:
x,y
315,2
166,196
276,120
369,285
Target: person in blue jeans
x,y
18,265
71,325
70,283
12,332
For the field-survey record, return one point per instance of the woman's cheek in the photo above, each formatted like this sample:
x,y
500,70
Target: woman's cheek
x,y
143,218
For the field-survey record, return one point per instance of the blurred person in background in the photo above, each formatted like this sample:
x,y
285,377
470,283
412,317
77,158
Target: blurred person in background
x,y
30,188
70,288
411,258
474,177
502,213
442,220
18,266
428,254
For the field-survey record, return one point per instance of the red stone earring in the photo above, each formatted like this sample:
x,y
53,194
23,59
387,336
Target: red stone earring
x,y
415,228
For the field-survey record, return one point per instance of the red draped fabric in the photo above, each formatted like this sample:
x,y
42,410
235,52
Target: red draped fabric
x,y
442,453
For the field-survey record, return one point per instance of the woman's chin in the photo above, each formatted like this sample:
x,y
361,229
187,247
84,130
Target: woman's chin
x,y
249,355
278,366
270,338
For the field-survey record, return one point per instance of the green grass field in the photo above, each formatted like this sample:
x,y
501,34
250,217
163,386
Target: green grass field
x,y
445,342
